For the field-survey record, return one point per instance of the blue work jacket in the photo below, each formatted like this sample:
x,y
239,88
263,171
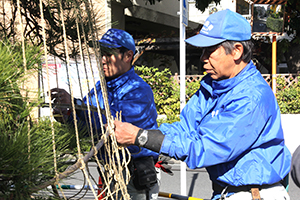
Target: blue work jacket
x,y
133,98
232,128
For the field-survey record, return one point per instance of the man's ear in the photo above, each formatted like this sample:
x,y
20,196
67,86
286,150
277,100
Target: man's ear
x,y
238,51
128,56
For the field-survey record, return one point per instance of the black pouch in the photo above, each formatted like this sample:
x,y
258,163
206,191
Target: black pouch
x,y
144,173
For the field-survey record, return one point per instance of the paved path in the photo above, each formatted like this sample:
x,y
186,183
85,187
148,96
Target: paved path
x,y
198,184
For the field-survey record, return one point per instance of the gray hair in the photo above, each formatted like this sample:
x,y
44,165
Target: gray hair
x,y
228,45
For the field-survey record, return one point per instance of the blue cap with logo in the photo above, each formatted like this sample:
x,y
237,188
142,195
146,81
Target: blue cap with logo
x,y
115,38
221,26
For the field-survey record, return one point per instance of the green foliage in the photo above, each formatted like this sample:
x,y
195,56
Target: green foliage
x,y
162,86
274,14
292,14
285,48
274,24
288,97
291,25
166,91
12,76
27,156
191,88
26,147
282,47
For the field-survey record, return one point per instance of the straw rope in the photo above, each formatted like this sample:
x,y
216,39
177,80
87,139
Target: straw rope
x,y
112,168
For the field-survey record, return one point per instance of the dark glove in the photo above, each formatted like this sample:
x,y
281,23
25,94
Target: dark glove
x,y
163,163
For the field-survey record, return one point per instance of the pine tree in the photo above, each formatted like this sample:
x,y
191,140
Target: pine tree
x,y
26,147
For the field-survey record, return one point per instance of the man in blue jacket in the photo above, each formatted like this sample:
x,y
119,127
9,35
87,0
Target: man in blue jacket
x,y
128,94
231,125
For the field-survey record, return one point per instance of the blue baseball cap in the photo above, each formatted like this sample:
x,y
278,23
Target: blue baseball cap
x,y
115,38
221,26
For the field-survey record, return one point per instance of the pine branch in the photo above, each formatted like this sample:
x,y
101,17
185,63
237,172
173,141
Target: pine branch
x,y
71,168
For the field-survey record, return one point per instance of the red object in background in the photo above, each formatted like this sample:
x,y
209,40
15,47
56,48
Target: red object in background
x,y
100,184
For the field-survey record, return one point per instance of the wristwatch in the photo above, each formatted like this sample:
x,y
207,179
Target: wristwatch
x,y
143,138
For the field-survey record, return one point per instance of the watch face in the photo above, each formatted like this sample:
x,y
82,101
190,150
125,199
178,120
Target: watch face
x,y
142,139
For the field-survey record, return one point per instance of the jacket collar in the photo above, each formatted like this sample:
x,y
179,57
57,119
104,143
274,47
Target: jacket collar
x,y
121,79
218,87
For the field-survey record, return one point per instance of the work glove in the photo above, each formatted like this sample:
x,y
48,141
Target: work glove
x,y
163,163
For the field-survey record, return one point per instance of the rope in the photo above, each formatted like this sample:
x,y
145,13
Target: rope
x,y
114,170
25,66
50,105
111,167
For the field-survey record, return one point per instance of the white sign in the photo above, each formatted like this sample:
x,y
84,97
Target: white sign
x,y
78,75
185,14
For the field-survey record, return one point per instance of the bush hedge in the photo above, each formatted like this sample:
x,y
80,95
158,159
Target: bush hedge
x,y
288,98
167,93
274,24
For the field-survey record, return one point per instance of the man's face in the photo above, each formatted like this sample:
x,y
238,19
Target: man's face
x,y
115,63
217,63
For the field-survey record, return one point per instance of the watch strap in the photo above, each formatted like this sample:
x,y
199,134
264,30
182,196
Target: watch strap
x,y
155,139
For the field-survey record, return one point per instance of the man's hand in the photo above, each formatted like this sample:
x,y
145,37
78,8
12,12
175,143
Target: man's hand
x,y
60,96
125,132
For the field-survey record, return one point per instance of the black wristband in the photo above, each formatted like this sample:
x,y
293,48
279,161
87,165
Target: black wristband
x,y
154,142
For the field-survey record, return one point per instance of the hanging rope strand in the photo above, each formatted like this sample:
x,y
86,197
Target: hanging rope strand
x,y
50,105
113,169
104,92
88,104
73,105
25,67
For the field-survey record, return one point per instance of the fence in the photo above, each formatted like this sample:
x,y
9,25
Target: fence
x,y
289,79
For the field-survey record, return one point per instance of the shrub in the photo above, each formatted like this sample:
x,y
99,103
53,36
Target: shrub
x,y
288,98
274,24
166,91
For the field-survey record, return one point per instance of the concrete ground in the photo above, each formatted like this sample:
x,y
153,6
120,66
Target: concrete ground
x,y
198,184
